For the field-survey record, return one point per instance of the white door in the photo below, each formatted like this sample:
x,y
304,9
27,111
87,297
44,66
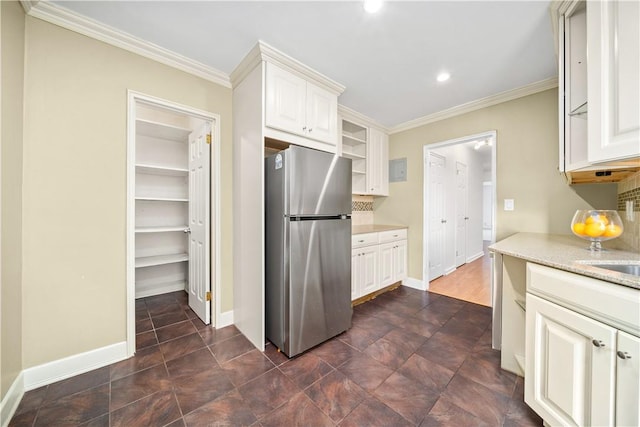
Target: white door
x,y
437,218
377,167
285,100
199,236
570,366
356,274
369,279
628,380
400,260
462,197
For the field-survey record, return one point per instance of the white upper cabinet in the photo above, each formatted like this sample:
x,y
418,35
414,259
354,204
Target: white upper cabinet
x,y
297,106
613,80
599,89
377,163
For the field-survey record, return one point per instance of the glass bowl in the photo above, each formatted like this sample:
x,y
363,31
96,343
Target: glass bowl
x,y
596,226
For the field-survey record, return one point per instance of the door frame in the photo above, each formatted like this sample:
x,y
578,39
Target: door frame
x,y
427,148
133,98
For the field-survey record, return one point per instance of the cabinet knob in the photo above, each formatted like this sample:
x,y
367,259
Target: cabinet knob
x,y
444,221
304,128
360,241
187,230
597,343
310,129
623,355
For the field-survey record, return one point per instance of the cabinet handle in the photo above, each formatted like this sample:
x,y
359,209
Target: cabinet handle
x,y
304,128
597,343
623,355
360,241
186,230
310,129
466,217
444,221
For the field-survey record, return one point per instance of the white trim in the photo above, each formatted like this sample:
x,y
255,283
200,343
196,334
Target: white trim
x,y
448,271
224,319
499,98
264,52
77,364
11,400
216,157
73,21
354,116
418,284
475,257
134,97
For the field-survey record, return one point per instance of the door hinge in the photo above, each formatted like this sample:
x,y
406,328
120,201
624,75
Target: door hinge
x,y
208,138
208,296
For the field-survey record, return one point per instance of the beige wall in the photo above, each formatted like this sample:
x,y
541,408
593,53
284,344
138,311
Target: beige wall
x,y
12,37
75,185
527,160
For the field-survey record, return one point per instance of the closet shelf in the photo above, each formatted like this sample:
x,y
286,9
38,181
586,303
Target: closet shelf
x,y
150,261
161,170
164,229
162,199
162,130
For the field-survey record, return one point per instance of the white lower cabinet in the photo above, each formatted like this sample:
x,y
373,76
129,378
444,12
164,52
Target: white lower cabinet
x,y
377,260
364,271
582,349
570,371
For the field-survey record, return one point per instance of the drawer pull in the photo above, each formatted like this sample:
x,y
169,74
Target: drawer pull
x,y
360,241
623,355
597,343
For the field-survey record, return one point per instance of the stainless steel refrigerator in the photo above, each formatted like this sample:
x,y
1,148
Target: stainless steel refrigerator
x,y
307,248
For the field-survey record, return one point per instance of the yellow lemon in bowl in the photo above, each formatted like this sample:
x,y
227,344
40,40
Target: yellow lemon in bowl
x,y
612,230
578,228
594,229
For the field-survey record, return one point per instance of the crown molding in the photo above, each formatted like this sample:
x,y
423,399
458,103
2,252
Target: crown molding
x,y
499,98
354,116
65,18
264,52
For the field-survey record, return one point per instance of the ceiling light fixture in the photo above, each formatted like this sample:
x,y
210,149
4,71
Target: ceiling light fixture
x,y
443,77
372,6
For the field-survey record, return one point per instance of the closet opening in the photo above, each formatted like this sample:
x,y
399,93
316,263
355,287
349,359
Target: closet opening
x,y
172,221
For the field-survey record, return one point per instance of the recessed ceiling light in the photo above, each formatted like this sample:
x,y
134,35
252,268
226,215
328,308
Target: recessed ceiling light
x,y
372,6
443,77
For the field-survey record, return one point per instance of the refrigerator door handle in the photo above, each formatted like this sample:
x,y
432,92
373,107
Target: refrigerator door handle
x,y
316,218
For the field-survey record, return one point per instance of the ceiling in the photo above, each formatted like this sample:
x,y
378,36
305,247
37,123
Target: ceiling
x,y
388,61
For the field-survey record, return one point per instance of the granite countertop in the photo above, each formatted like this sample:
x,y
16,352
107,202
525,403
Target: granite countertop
x,y
570,253
373,228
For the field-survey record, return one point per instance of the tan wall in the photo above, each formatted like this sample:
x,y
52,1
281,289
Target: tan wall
x,y
12,37
75,185
527,160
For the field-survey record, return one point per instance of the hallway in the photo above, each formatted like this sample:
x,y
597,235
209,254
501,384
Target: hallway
x,y
470,282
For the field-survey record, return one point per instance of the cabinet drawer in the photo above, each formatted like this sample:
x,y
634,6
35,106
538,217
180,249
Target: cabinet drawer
x,y
366,239
612,304
393,235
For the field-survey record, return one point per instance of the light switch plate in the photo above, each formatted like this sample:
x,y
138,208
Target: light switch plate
x,y
509,204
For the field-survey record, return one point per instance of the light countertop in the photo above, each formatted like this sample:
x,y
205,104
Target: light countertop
x,y
373,228
570,253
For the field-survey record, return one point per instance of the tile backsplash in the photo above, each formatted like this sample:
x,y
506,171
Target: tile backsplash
x,y
362,210
629,197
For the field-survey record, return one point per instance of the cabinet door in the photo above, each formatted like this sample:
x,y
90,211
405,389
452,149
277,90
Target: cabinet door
x,y
400,260
356,274
285,100
321,115
370,277
387,270
628,380
377,163
613,83
570,366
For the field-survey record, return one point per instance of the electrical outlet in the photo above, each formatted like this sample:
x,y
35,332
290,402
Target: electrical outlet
x,y
509,205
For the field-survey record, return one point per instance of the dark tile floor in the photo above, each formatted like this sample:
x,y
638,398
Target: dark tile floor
x,y
411,358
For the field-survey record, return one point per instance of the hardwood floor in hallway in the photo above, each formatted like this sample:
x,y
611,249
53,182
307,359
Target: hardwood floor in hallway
x,y
470,282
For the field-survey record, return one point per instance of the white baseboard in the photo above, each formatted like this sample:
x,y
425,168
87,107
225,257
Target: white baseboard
x,y
61,369
11,400
224,319
449,270
421,285
475,257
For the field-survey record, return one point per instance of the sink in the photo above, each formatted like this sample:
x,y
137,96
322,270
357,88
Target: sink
x,y
632,267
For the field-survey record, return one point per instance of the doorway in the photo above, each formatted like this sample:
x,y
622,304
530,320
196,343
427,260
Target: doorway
x,y
455,215
172,210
